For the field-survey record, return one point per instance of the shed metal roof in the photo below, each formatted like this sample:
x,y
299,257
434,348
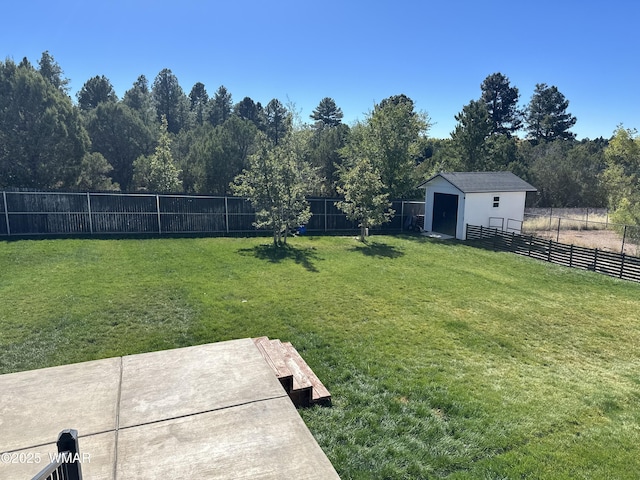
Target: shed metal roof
x,y
477,182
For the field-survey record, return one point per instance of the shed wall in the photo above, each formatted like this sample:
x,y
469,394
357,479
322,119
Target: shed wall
x,y
479,209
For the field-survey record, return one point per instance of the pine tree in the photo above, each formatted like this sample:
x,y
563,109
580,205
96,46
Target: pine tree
x,y
501,100
547,116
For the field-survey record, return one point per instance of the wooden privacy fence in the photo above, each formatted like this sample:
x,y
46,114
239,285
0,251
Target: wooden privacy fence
x,y
56,213
617,265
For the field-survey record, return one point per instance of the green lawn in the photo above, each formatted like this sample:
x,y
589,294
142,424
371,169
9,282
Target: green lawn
x,y
444,361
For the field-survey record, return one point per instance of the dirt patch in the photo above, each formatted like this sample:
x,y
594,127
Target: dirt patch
x,y
607,240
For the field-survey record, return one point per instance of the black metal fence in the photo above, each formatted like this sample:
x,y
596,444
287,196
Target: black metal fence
x,y
65,465
617,265
56,213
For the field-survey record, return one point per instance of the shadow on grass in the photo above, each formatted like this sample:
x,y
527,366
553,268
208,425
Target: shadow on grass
x,y
270,253
377,249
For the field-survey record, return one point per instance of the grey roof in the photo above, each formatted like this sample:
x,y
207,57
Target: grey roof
x,y
476,182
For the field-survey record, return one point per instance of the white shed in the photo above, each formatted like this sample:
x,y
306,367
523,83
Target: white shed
x,y
489,199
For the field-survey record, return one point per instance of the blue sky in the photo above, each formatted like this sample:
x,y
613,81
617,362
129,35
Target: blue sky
x,y
436,52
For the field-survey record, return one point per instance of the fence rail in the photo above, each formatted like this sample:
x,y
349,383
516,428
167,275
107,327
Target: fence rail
x,y
57,213
622,266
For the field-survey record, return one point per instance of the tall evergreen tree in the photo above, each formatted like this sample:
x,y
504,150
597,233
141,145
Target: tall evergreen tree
x,y
138,98
52,72
501,100
198,103
324,155
278,121
247,109
96,90
42,139
547,117
220,106
470,136
119,134
327,114
170,100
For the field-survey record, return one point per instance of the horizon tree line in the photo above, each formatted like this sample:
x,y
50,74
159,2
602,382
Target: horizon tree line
x,y
200,143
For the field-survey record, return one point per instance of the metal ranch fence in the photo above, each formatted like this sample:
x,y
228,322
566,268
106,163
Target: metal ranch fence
x,y
613,264
56,213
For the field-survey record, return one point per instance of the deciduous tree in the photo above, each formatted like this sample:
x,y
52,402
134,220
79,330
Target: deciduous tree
x,y
365,200
391,141
276,184
622,175
158,172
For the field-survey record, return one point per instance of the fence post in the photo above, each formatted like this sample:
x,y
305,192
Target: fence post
x,y
550,247
595,260
622,266
6,211
325,214
226,212
586,223
624,237
530,243
158,210
68,442
402,216
571,256
89,212
558,234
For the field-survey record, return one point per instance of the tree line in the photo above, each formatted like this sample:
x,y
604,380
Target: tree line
x,y
158,138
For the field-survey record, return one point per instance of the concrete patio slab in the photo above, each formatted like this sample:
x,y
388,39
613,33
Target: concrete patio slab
x,y
96,451
173,383
35,406
260,440
210,411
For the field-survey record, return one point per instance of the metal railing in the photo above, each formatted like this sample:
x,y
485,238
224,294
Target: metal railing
x,y
66,464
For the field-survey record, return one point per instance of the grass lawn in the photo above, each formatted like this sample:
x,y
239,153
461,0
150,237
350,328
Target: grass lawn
x,y
444,361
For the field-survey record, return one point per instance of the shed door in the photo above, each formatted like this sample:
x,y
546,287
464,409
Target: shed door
x,y
445,213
